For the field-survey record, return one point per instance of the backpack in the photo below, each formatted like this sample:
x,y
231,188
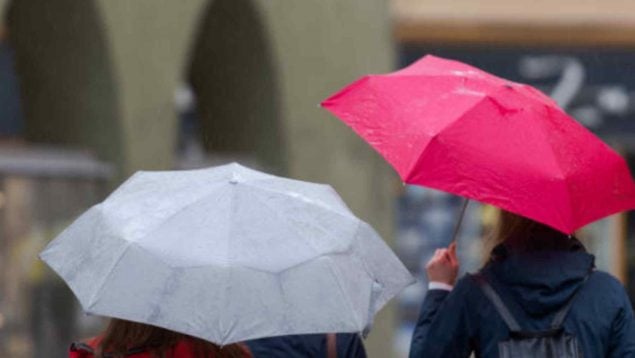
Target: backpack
x,y
549,343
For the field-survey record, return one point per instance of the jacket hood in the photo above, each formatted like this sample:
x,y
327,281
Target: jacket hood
x,y
540,281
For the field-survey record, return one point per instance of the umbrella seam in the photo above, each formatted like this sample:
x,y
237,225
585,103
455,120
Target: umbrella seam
x,y
333,268
94,297
283,297
348,250
386,96
333,193
358,242
293,226
307,199
166,287
357,85
563,176
371,310
226,332
277,273
284,218
418,77
121,193
434,137
177,212
304,262
328,102
367,270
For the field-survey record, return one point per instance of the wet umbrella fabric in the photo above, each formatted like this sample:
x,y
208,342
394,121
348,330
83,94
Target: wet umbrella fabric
x,y
449,126
227,254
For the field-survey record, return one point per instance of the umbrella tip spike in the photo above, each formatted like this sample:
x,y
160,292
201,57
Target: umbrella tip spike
x,y
235,179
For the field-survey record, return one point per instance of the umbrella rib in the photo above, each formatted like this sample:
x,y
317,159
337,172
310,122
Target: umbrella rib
x,y
434,136
563,176
347,214
365,264
180,210
387,291
313,222
386,96
283,297
253,183
337,279
334,270
358,242
254,268
226,301
498,81
283,217
280,287
94,297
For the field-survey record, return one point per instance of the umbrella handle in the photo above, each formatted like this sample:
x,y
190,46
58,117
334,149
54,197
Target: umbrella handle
x,y
459,221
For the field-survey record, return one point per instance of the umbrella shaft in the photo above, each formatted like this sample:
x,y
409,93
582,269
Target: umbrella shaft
x,y
459,221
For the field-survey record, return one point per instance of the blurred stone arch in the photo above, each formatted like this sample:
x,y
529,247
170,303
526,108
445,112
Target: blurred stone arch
x,y
70,107
233,75
67,83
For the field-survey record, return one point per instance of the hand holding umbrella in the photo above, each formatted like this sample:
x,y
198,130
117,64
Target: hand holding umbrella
x,y
443,267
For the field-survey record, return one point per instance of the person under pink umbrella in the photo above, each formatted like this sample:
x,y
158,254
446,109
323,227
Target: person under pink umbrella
x,y
449,126
538,273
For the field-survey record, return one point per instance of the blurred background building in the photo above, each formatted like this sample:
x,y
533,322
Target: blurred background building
x,y
581,53
93,90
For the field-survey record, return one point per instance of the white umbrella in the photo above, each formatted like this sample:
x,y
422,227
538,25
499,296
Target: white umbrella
x,y
227,254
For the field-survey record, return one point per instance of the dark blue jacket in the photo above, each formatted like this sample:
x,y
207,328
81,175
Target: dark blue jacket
x,y
534,285
349,345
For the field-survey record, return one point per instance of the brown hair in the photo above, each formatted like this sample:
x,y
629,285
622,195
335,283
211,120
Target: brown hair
x,y
522,234
122,336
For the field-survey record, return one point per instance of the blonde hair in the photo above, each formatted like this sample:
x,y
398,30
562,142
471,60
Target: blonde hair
x,y
522,233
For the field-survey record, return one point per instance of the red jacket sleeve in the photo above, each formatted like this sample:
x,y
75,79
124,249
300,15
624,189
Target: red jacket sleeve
x,y
80,350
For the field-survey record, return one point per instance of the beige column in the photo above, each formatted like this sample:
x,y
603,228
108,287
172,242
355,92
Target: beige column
x,y
149,42
3,6
319,46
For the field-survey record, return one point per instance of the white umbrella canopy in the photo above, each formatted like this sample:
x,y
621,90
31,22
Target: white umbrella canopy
x,y
227,254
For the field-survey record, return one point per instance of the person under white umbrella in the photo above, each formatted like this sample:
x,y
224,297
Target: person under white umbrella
x,y
227,254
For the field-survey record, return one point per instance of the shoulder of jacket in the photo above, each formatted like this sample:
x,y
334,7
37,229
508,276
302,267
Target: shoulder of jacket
x,y
465,285
604,278
467,281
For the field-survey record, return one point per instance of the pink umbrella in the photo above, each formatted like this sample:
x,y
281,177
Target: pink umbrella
x,y
449,126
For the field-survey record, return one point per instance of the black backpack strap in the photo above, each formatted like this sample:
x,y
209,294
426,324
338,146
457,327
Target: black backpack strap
x,y
489,292
561,315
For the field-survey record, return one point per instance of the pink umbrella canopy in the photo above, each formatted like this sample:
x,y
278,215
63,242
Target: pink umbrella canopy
x,y
450,126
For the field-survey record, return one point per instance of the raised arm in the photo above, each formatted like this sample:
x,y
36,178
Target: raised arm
x,y
441,329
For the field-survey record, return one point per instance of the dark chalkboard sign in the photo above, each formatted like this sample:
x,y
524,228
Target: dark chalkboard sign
x,y
595,86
